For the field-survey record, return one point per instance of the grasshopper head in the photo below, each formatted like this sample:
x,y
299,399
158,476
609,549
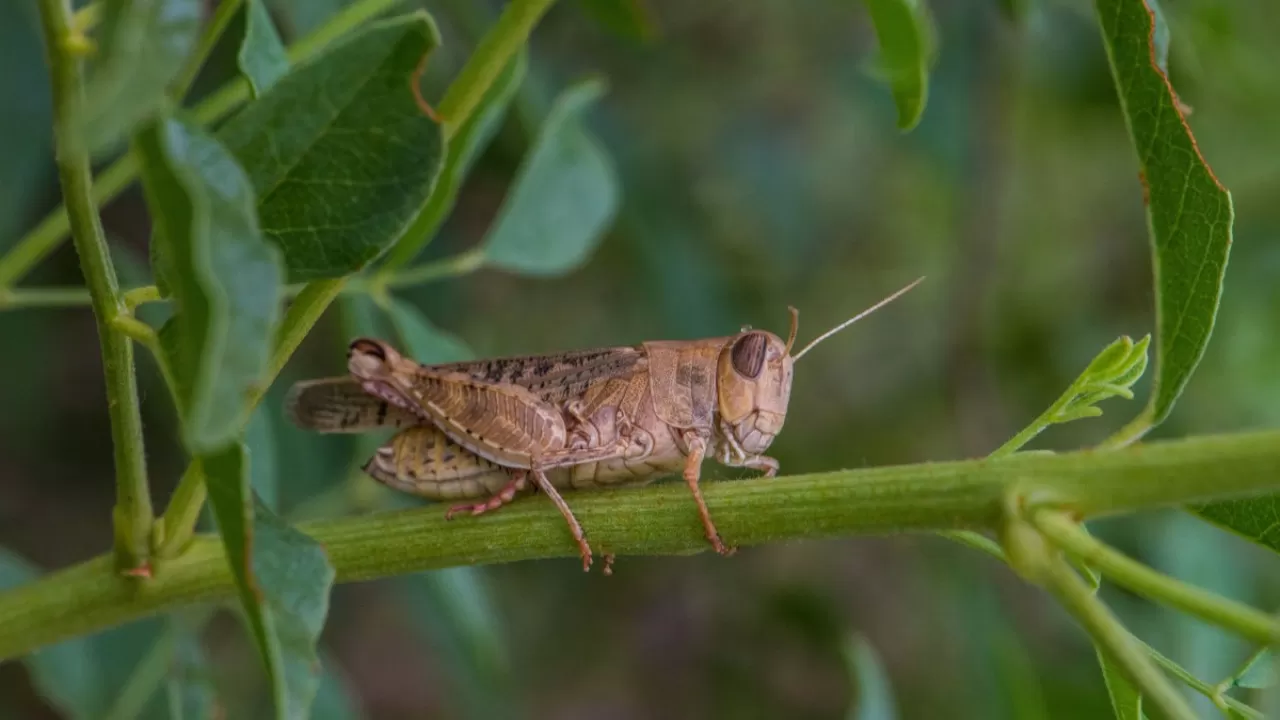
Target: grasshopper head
x,y
754,386
371,359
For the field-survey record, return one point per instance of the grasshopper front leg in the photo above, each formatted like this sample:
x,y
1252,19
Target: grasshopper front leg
x,y
692,471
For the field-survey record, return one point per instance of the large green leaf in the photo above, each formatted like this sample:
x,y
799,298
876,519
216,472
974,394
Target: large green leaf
x,y
262,56
563,198
142,46
225,280
423,341
464,147
283,578
1189,212
904,29
340,154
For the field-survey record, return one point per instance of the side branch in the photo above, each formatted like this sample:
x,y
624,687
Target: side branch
x,y
660,520
132,514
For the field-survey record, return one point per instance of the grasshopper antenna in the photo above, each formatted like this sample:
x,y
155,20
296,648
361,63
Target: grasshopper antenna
x,y
848,322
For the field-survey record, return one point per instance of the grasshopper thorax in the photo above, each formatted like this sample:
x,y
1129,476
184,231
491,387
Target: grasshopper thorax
x,y
753,382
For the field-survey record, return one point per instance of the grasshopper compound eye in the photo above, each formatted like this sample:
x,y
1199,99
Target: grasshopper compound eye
x,y
748,354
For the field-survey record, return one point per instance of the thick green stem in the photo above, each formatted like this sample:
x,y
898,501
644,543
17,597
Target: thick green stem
x,y
46,236
1115,640
661,520
132,513
1126,572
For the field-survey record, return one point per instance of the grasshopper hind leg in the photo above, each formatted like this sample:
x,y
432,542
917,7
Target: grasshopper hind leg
x,y
517,484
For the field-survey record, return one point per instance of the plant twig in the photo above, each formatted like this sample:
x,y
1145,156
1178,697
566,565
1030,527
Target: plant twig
x,y
1241,619
1214,694
1114,639
132,514
221,18
661,520
508,34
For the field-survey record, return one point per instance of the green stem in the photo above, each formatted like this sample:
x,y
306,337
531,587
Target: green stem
x,y
660,520
132,513
86,18
1237,617
51,231
1209,691
450,267
977,541
183,512
53,297
48,297
221,18
45,237
508,34
1115,640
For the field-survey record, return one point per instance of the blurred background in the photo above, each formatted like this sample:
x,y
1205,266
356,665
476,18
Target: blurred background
x,y
760,166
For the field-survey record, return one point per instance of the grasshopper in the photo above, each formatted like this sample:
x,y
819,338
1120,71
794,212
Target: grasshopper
x,y
487,431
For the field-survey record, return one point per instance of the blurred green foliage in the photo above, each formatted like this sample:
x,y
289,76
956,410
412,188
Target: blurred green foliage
x,y
760,165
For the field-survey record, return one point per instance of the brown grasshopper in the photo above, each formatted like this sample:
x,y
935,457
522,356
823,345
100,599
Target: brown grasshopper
x,y
484,430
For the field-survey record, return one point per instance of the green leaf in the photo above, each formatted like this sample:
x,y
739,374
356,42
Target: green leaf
x,y
1251,518
563,198
25,140
283,579
627,18
260,441
1259,673
874,692
142,46
1125,700
904,29
64,674
333,700
1110,374
465,147
224,279
262,58
339,152
423,341
189,684
1189,211
455,609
